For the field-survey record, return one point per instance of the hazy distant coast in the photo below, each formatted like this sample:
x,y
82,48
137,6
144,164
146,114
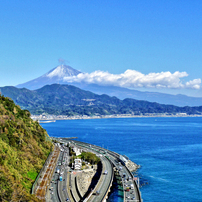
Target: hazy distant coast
x,y
64,117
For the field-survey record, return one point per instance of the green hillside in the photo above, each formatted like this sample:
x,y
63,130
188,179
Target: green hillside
x,y
23,151
69,100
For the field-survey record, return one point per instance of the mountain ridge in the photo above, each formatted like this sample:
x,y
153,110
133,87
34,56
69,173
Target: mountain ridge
x,y
61,99
57,75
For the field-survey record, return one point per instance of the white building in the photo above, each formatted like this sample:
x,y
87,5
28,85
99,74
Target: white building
x,y
77,150
77,164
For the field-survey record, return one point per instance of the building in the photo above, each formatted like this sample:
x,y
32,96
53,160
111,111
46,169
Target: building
x,y
77,164
77,150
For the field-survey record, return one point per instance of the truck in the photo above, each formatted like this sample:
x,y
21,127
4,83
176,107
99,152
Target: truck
x,y
60,178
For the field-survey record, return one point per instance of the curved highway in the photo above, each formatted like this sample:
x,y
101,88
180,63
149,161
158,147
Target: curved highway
x,y
65,189
131,190
105,180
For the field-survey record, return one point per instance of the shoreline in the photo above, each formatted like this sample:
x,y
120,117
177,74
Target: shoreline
x,y
53,118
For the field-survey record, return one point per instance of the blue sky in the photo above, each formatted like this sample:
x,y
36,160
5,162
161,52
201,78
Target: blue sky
x,y
113,36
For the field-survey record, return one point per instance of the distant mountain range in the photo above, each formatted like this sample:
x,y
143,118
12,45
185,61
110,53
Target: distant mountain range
x,y
70,100
58,74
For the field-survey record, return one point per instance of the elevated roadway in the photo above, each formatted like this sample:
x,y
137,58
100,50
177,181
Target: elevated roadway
x,y
130,188
66,189
99,193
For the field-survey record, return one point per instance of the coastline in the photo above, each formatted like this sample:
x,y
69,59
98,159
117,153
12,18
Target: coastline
x,y
53,118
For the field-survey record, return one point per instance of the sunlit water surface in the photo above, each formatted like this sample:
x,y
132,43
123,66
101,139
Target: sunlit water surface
x,y
169,151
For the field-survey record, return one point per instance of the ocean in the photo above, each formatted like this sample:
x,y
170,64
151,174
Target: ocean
x,y
168,149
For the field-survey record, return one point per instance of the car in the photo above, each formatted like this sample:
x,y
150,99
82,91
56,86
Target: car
x,y
67,199
106,172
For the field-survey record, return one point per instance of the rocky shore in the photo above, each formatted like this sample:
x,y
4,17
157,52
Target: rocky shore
x,y
132,166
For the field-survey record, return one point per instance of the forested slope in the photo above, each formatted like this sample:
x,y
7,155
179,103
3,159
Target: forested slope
x,y
24,147
69,100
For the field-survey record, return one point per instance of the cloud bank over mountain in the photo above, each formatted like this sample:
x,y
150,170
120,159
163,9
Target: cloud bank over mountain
x,y
133,79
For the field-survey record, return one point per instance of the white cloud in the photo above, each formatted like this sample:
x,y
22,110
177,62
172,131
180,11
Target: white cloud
x,y
134,79
193,84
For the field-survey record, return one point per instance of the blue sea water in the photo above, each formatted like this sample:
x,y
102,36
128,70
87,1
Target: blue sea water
x,y
169,151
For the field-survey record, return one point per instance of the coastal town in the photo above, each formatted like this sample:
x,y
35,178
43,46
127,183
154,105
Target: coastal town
x,y
51,117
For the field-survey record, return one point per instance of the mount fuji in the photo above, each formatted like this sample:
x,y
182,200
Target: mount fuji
x,y
55,75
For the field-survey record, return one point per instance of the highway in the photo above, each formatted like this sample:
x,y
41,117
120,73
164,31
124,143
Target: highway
x,y
104,182
62,185
60,191
52,194
131,191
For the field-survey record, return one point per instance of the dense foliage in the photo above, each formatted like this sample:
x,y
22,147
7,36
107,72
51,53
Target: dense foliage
x,y
23,151
69,100
85,156
89,157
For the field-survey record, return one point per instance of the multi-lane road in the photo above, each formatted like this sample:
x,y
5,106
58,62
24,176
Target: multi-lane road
x,y
102,187
65,189
57,191
130,188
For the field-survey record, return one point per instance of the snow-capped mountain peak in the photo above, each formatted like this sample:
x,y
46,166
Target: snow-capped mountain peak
x,y
62,71
55,75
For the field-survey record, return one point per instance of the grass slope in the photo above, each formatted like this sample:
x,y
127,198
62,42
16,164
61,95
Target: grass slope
x,y
23,151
